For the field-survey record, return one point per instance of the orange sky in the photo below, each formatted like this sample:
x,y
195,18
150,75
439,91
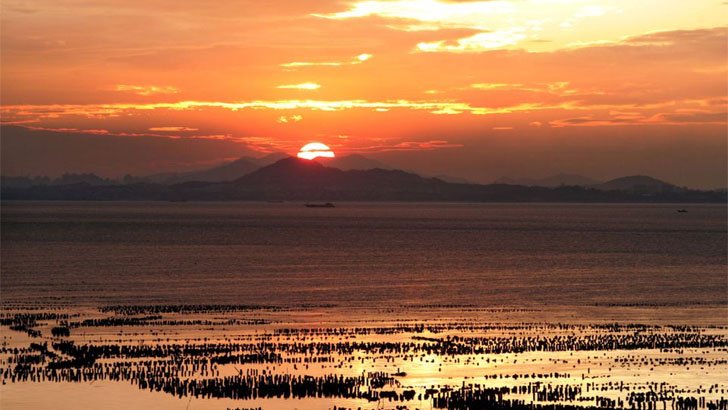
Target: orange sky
x,y
478,89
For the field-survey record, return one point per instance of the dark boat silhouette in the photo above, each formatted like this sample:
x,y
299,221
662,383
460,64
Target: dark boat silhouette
x,y
682,211
326,205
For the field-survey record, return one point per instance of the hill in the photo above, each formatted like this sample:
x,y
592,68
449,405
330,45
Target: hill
x,y
226,172
639,184
351,162
302,180
551,182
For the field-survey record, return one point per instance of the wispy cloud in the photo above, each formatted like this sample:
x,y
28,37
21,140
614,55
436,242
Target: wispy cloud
x,y
475,43
112,110
356,60
510,24
302,86
291,118
386,146
146,89
558,87
440,107
172,129
669,118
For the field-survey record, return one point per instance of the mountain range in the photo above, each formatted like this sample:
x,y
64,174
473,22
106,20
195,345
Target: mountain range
x,y
635,183
225,172
552,181
297,179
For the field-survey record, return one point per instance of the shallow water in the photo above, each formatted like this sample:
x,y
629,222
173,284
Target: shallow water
x,y
361,254
607,300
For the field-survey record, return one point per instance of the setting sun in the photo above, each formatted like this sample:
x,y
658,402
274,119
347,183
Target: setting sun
x,y
314,150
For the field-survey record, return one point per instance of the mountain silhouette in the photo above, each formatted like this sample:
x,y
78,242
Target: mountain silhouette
x,y
453,179
297,179
551,181
639,184
226,172
351,162
360,162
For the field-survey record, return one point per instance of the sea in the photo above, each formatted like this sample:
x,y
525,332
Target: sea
x,y
279,306
361,254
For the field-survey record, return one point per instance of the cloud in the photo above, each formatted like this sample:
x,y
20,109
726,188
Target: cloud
x,y
535,25
146,89
377,145
554,87
475,43
617,118
286,119
101,110
79,131
439,107
172,129
407,146
354,61
453,14
302,86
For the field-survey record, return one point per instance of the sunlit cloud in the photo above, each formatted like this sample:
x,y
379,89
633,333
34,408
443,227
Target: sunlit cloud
x,y
146,89
262,144
302,86
291,118
558,87
674,118
524,24
356,60
496,86
386,146
455,14
591,11
112,110
79,130
172,129
475,43
439,107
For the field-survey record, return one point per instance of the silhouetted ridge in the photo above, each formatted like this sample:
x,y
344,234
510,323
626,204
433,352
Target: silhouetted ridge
x,y
352,162
294,179
551,181
304,178
639,183
289,170
228,171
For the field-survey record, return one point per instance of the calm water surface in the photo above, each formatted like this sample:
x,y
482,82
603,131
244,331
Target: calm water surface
x,y
363,254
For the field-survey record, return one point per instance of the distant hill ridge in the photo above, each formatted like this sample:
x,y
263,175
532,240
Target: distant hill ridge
x,y
220,173
641,183
635,183
303,180
552,181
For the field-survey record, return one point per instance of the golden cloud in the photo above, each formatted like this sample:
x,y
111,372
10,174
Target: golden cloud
x,y
302,86
146,89
356,60
172,129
